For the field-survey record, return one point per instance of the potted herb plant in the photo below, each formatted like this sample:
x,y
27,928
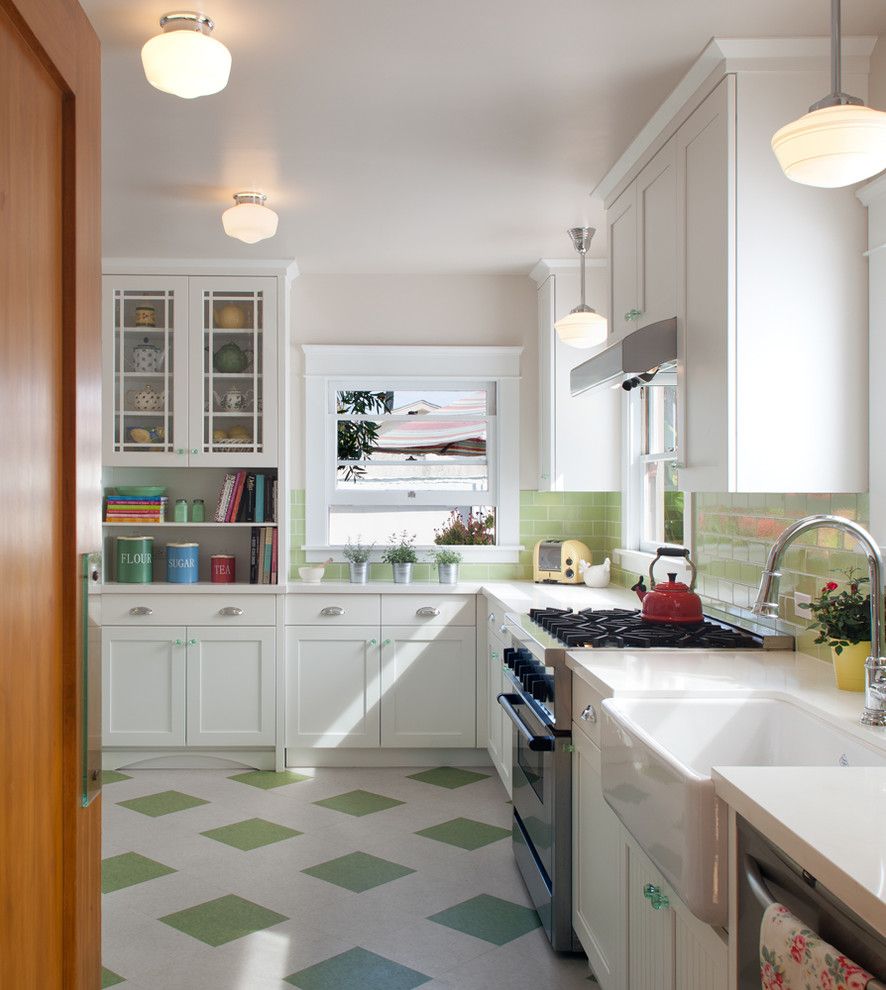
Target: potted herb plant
x,y
357,555
447,562
401,556
843,618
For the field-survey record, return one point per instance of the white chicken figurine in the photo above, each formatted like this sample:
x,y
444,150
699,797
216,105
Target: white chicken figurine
x,y
595,576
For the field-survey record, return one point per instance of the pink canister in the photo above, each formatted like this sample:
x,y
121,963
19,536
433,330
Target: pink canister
x,y
223,568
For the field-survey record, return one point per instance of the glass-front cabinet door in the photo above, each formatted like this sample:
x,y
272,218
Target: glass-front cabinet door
x,y
234,368
145,358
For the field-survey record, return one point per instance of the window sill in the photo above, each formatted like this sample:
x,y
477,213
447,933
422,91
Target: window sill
x,y
470,555
639,561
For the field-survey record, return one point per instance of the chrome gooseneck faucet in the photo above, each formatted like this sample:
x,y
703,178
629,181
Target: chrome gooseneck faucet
x,y
767,602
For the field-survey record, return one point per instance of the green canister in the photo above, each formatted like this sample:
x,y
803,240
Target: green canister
x,y
135,559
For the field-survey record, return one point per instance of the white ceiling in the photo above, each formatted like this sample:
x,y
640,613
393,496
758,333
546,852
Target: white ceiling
x,y
404,135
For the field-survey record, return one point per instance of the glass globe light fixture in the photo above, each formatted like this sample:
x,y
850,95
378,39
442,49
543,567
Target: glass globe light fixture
x,y
184,59
583,327
250,220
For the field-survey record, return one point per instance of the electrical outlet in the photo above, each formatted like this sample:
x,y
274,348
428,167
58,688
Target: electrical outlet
x,y
801,599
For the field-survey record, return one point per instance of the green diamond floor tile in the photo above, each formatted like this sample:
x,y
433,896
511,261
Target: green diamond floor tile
x,y
164,803
490,918
128,869
359,803
251,834
358,871
110,979
113,777
223,920
466,833
450,777
358,969
267,779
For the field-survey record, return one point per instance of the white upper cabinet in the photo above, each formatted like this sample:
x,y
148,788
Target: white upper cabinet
x,y
579,444
190,371
621,221
767,278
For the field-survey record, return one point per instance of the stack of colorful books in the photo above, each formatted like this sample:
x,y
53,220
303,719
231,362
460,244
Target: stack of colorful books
x,y
135,509
247,497
263,555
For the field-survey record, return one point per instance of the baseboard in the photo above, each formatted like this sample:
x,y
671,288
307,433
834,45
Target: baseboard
x,y
387,757
187,759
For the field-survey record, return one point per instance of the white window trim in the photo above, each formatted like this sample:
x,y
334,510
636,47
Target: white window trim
x,y
327,364
630,556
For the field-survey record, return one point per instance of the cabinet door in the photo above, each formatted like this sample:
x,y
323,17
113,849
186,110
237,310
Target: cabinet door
x,y
705,294
598,868
494,713
657,238
234,368
506,747
231,686
145,371
143,684
332,686
701,954
547,396
428,686
650,929
621,219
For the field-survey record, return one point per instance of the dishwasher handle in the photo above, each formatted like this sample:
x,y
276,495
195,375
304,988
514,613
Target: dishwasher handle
x,y
536,743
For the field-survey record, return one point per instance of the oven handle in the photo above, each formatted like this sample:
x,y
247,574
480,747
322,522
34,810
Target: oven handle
x,y
534,742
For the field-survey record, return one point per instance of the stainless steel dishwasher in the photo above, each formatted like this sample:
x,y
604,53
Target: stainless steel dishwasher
x,y
766,874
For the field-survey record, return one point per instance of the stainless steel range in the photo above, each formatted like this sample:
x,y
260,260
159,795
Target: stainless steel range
x,y
540,706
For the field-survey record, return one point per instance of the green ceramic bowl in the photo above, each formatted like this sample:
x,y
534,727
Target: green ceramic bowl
x,y
141,491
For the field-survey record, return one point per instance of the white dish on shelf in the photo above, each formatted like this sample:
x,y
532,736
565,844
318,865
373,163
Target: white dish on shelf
x,y
311,575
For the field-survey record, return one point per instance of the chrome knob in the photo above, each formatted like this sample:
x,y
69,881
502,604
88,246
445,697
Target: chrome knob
x,y
589,714
141,610
502,628
492,616
230,610
332,610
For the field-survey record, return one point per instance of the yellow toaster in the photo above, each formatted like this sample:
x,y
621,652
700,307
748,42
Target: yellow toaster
x,y
556,561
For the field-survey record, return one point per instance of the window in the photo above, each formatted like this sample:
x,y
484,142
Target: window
x,y
655,507
421,454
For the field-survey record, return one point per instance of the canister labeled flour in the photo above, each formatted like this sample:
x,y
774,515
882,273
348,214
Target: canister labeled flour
x,y
182,562
135,559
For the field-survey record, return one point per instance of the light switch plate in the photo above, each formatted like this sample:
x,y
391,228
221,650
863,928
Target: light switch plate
x,y
801,599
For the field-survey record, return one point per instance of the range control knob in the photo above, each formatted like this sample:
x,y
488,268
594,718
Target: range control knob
x,y
570,573
569,562
509,656
541,689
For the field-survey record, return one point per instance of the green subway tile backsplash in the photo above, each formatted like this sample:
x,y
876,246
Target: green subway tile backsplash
x,y
733,534
593,518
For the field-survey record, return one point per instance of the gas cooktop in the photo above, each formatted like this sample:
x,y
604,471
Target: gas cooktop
x,y
623,628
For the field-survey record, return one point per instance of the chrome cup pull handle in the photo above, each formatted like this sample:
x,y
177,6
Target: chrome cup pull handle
x,y
332,610
141,610
230,610
428,612
589,714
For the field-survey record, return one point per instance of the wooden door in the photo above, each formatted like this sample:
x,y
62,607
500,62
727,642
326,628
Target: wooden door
x,y
331,688
429,686
231,686
50,451
144,685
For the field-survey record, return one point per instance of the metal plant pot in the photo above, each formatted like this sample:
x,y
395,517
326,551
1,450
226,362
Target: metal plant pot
x,y
359,572
402,573
448,573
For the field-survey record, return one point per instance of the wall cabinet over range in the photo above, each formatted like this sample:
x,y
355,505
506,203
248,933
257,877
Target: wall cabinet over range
x,y
766,277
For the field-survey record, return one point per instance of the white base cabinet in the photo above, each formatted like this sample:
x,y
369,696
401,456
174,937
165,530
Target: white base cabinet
x,y
499,728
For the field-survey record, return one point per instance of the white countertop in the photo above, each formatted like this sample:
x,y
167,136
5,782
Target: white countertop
x,y
830,820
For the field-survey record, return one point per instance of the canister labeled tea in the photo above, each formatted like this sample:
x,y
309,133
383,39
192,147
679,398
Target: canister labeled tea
x,y
182,562
135,559
223,568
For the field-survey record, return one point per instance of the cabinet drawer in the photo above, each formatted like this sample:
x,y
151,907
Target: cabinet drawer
x,y
334,609
494,616
583,695
423,610
186,609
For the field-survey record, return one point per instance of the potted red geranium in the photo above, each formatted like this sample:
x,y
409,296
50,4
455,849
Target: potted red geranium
x,y
843,618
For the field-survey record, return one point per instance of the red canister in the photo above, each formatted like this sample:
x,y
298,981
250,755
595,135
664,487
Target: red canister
x,y
223,568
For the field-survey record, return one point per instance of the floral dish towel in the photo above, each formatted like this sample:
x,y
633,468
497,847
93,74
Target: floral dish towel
x,y
793,957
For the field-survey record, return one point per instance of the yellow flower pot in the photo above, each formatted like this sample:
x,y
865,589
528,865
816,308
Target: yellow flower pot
x,y
849,666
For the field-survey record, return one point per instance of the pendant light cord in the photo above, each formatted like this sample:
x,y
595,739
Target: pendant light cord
x,y
836,49
581,255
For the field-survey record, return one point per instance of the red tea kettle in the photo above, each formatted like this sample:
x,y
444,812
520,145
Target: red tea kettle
x,y
671,600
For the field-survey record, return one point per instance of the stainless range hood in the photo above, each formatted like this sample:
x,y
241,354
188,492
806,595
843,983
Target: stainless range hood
x,y
640,351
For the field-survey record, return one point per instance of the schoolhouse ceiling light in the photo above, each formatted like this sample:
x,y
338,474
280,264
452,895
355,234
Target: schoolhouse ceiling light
x,y
184,59
250,220
840,141
583,326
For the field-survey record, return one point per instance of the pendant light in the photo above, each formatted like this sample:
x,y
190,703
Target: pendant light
x,y
583,327
184,60
840,141
250,220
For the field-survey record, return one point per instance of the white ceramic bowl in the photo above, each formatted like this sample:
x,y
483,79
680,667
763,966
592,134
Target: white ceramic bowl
x,y
311,575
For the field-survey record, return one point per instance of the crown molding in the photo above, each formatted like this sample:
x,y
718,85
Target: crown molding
x,y
285,267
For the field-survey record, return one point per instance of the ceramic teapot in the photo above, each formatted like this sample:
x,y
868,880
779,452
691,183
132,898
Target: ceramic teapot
x,y
147,357
231,359
147,399
234,400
